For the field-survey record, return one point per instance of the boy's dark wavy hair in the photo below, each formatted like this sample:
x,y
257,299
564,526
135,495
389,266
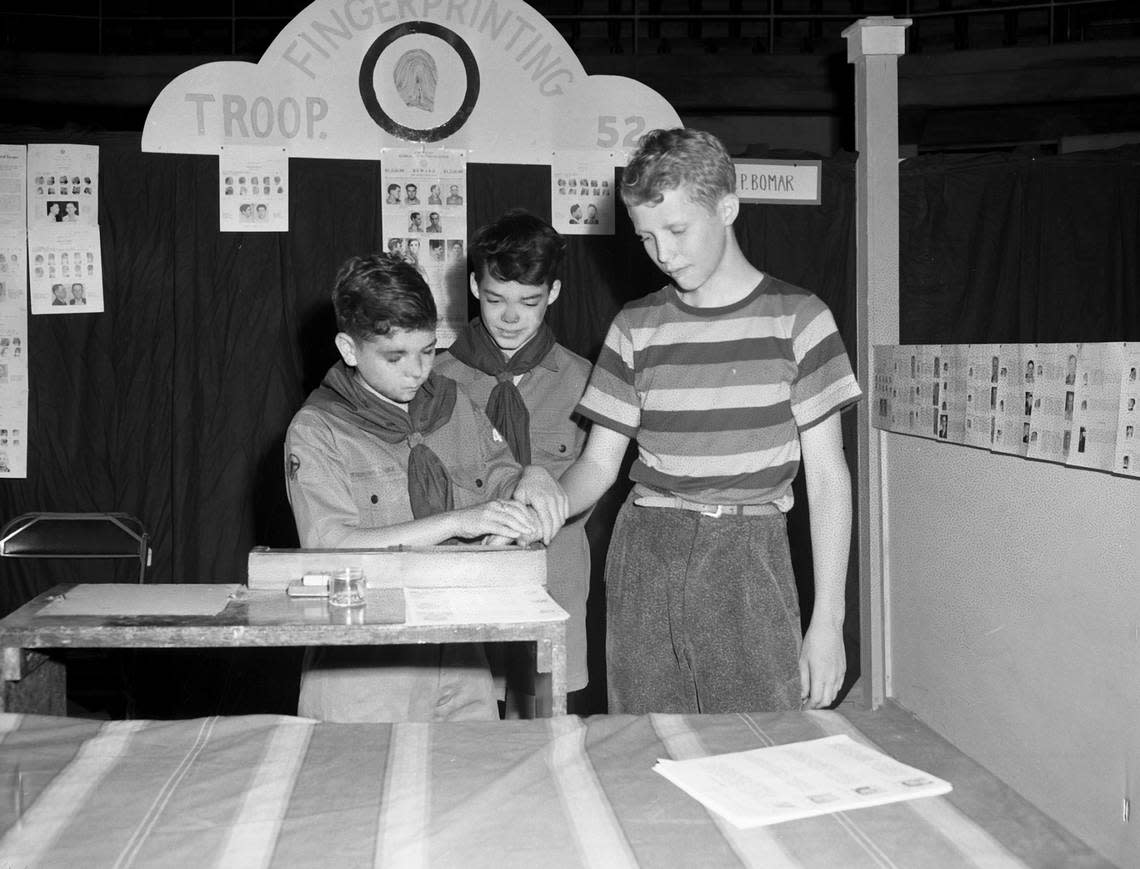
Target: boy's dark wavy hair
x,y
378,293
519,246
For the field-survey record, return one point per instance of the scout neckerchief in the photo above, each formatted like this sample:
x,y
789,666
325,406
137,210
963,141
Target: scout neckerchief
x,y
505,407
345,396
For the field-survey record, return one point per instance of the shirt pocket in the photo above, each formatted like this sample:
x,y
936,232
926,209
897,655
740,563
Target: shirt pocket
x,y
380,494
554,444
470,480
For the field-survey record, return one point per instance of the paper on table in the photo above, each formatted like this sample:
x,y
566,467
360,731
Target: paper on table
x,y
465,606
121,599
799,780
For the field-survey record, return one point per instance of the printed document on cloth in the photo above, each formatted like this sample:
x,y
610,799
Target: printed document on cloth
x,y
799,780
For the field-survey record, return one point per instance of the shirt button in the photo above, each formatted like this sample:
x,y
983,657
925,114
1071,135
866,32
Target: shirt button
x,y
375,499
479,483
562,448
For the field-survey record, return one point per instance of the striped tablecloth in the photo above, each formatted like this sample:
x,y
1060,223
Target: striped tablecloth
x,y
278,791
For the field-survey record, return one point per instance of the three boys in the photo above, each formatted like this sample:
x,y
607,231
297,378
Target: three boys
x,y
725,377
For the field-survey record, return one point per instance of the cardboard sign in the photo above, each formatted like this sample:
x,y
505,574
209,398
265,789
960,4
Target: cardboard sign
x,y
783,182
347,78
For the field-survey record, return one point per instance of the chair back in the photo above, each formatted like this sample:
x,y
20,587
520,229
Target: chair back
x,y
77,535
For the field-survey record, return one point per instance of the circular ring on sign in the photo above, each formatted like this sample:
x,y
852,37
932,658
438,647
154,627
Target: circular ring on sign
x,y
372,103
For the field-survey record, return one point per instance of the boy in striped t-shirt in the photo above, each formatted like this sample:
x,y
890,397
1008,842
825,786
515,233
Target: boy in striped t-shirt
x,y
724,377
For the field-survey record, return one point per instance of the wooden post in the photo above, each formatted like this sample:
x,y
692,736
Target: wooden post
x,y
873,46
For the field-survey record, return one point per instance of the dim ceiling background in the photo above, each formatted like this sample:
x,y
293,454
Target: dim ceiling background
x,y
980,75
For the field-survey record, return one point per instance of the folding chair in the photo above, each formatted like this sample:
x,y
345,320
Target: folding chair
x,y
97,680
77,535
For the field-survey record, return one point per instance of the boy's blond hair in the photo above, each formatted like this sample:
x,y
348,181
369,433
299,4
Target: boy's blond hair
x,y
669,159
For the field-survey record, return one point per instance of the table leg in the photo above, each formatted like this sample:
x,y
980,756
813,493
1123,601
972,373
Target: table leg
x,y
33,683
550,675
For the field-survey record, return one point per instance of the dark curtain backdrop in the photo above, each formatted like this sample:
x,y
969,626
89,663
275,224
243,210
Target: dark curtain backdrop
x,y
173,404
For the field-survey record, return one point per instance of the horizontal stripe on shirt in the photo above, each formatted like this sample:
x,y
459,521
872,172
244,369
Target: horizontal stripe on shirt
x,y
697,398
713,353
709,465
697,331
727,420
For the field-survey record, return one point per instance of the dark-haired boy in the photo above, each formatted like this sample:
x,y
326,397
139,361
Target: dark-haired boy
x,y
385,453
724,377
509,362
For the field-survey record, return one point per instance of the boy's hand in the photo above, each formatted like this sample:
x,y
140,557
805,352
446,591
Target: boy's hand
x,y
541,491
823,664
506,519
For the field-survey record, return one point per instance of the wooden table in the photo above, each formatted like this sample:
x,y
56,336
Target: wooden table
x,y
35,682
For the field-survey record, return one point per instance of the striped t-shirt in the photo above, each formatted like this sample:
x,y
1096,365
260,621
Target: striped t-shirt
x,y
716,397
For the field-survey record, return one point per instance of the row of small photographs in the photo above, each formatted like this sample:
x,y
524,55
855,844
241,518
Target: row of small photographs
x,y
63,211
439,249
64,271
59,294
583,182
434,224
252,180
590,216
49,180
251,212
4,437
253,191
15,261
1032,370
585,191
39,258
14,344
409,194
75,190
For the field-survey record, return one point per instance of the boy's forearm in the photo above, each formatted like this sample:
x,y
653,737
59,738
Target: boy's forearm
x,y
418,532
830,512
584,483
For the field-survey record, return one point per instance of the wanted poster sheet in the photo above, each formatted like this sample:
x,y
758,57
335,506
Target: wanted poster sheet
x,y
1096,407
907,393
979,424
950,385
424,219
13,189
13,355
1127,456
67,271
1011,398
253,189
582,195
1054,396
884,388
63,185
921,419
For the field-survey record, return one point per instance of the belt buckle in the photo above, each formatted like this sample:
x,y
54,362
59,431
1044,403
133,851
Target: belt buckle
x,y
714,514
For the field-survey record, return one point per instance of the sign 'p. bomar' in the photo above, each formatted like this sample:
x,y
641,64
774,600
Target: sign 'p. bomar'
x,y
346,78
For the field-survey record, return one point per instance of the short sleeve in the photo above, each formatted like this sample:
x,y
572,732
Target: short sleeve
x,y
824,380
611,398
319,489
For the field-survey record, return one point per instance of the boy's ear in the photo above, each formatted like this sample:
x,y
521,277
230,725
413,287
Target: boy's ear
x,y
474,284
555,289
347,347
729,208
